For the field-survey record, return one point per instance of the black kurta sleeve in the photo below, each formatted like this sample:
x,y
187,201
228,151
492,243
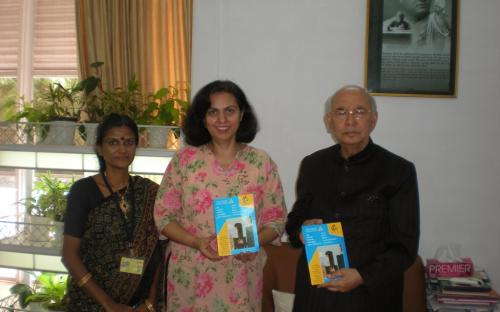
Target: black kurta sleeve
x,y
401,244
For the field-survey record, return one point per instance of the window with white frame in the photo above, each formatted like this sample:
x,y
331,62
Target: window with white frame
x,y
37,41
37,45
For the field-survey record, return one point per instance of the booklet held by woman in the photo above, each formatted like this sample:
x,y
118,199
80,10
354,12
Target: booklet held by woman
x,y
235,225
325,250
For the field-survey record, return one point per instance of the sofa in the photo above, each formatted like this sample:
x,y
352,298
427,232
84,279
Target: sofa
x,y
280,276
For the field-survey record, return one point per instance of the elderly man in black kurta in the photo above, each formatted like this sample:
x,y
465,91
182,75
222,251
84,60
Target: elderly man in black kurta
x,y
374,194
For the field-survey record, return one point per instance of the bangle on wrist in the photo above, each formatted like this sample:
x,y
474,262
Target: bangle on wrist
x,y
149,306
84,280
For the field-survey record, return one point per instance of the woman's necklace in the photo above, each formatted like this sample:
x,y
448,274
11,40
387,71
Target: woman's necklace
x,y
122,200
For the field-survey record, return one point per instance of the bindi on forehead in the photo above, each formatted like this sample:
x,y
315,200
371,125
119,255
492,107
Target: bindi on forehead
x,y
119,138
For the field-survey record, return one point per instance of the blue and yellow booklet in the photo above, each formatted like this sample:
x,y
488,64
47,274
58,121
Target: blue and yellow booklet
x,y
325,250
235,225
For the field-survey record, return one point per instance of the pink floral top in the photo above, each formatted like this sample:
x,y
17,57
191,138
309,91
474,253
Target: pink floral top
x,y
192,179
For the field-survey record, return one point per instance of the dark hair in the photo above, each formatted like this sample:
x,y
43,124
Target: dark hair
x,y
113,121
194,129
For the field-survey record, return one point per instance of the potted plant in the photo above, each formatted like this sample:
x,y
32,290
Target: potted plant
x,y
93,108
31,114
100,102
46,209
63,106
63,103
164,109
57,104
48,290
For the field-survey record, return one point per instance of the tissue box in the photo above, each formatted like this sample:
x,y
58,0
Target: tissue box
x,y
462,268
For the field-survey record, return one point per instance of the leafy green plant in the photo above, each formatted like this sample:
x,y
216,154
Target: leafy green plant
x,y
123,101
164,107
50,200
100,102
49,290
29,110
54,102
22,291
62,102
30,113
92,87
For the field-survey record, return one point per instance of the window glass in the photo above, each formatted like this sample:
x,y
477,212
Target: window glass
x,y
8,93
9,195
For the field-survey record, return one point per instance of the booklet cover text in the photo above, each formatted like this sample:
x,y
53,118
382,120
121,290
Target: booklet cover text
x,y
325,250
235,225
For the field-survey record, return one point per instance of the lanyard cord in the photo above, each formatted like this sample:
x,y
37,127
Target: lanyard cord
x,y
129,226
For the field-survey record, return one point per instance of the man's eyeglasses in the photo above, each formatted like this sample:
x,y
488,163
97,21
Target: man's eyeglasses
x,y
357,113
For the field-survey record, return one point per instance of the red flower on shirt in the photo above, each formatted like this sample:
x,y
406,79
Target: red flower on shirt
x,y
204,284
201,201
270,215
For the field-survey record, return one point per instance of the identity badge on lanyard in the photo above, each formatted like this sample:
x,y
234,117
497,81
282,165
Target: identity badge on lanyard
x,y
128,264
131,264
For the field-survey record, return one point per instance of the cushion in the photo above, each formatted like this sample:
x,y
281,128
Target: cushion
x,y
283,301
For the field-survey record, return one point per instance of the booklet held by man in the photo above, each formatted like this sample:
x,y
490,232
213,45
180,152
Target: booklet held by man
x,y
325,250
235,225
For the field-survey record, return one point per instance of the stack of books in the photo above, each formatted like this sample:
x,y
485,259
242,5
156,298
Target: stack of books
x,y
459,289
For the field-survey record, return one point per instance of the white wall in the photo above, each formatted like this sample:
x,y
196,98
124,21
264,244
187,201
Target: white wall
x,y
290,55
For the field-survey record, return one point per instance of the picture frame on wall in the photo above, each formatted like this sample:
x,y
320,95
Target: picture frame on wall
x,y
411,47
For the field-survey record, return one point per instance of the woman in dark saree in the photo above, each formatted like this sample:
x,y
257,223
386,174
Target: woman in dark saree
x,y
111,247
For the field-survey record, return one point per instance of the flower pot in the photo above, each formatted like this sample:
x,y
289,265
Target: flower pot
x,y
90,133
38,229
56,233
61,132
35,306
158,136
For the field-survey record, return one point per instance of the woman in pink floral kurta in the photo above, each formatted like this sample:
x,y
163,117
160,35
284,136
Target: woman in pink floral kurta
x,y
198,279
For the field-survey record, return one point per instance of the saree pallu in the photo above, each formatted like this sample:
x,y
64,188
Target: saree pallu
x,y
105,241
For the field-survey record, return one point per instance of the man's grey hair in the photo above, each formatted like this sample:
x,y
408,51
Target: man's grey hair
x,y
371,99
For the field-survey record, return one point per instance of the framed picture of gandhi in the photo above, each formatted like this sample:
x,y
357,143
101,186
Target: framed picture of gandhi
x,y
411,47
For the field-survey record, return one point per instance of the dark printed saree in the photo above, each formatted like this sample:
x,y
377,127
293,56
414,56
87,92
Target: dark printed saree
x,y
105,241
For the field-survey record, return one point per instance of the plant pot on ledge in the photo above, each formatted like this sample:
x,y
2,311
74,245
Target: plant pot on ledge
x,y
46,209
161,137
61,132
38,228
157,136
90,133
56,108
